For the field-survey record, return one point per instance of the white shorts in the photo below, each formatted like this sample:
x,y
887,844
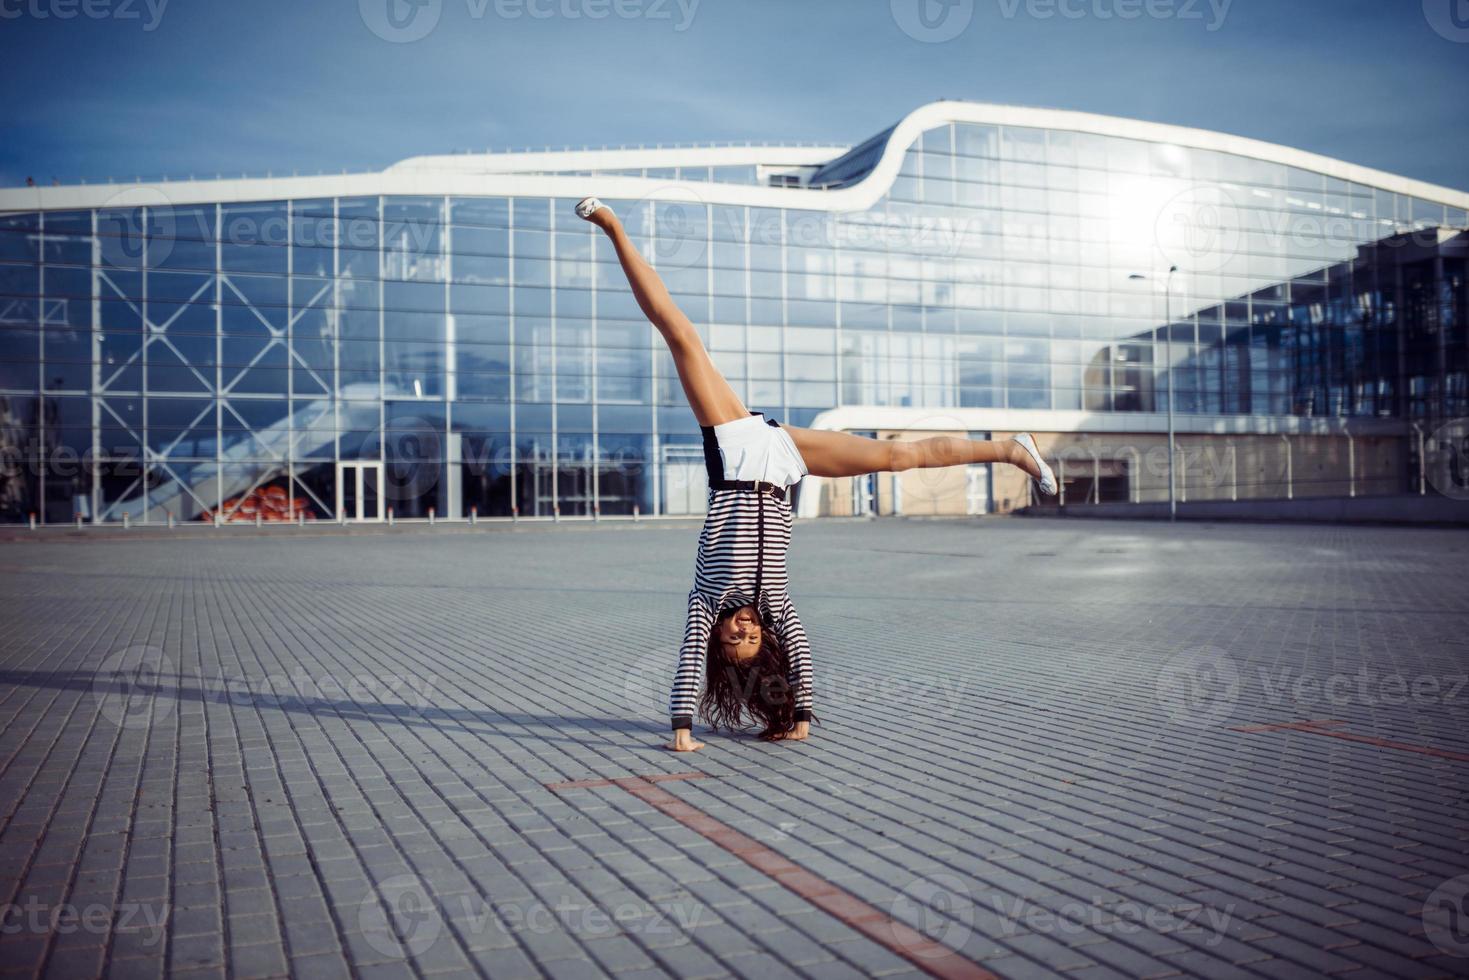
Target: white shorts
x,y
753,449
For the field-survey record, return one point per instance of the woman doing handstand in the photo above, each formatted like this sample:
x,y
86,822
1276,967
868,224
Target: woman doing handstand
x,y
742,630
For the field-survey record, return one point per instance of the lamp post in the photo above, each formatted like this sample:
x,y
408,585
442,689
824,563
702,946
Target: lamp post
x,y
1168,355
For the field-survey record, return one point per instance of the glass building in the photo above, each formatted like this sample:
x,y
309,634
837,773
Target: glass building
x,y
447,337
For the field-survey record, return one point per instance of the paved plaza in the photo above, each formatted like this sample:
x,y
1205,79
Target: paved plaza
x,y
1090,748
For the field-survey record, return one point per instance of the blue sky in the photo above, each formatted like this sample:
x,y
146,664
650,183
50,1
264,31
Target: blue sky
x,y
125,87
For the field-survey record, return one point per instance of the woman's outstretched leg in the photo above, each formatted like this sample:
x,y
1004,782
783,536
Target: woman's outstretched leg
x,y
834,454
709,395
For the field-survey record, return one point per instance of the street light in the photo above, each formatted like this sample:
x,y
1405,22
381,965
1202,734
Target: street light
x,y
1168,325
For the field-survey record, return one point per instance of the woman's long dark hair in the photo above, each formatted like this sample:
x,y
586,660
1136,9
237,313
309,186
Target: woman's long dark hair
x,y
758,685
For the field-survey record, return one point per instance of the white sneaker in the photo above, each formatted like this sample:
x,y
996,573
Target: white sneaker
x,y
588,206
1047,481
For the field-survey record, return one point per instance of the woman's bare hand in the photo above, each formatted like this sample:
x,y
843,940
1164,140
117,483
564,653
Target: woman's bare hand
x,y
799,733
683,741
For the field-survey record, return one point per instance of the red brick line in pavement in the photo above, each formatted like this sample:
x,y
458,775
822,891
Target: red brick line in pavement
x,y
931,957
1327,726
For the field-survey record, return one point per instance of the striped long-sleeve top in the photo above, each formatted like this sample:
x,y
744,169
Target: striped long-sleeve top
x,y
746,536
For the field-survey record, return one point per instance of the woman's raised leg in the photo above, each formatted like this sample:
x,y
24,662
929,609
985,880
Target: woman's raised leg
x,y
843,454
709,394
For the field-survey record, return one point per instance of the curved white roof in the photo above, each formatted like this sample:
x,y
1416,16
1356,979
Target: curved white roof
x,y
619,159
486,175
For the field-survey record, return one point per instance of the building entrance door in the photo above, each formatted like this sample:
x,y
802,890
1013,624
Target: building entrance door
x,y
977,489
360,491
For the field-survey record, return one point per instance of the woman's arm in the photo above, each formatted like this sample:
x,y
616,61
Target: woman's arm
x,y
684,698
798,657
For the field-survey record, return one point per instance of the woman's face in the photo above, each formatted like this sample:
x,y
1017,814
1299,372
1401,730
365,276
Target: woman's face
x,y
739,635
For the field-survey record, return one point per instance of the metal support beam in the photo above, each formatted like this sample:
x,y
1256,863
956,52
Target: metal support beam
x,y
1351,465
1290,488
